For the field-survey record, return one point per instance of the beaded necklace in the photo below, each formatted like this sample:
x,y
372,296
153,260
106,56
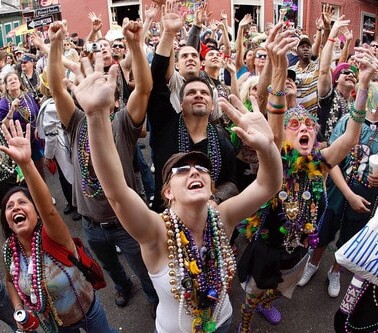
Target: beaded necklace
x,y
358,157
39,301
297,202
373,327
23,108
213,146
200,278
90,185
7,165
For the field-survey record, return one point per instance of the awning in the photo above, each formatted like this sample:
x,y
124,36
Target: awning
x,y
20,30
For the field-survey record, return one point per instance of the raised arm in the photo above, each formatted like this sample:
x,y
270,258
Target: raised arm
x,y
95,93
254,130
325,74
172,22
138,100
95,32
335,153
239,43
20,151
65,105
277,47
348,34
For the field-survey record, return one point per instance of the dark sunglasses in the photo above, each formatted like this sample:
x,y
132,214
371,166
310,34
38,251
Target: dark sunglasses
x,y
119,46
186,168
347,72
374,45
261,56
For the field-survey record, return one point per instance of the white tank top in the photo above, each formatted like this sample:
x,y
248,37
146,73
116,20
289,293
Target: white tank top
x,y
167,313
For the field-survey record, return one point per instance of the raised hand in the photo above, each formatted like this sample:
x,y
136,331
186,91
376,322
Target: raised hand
x,y
247,19
95,92
367,64
201,15
172,18
18,148
150,12
57,31
133,32
327,12
278,44
96,21
252,127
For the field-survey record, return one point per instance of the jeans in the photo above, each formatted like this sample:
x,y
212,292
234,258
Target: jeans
x,y
94,321
102,242
6,308
145,171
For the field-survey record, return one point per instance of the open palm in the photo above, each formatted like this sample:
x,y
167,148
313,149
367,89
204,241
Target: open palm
x,y
18,145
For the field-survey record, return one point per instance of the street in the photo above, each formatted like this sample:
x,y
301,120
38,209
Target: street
x,y
310,310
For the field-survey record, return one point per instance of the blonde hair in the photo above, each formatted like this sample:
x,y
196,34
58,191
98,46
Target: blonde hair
x,y
246,86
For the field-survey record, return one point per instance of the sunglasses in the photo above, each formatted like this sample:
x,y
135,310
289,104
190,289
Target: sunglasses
x,y
261,56
374,45
182,170
295,123
347,72
119,46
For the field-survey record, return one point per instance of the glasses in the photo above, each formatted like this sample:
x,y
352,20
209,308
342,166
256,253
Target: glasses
x,y
295,123
347,72
374,45
182,170
119,46
261,56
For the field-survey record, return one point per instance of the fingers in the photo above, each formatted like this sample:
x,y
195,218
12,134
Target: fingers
x,y
87,67
99,63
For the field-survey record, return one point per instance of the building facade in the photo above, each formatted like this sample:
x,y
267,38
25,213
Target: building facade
x,y
362,13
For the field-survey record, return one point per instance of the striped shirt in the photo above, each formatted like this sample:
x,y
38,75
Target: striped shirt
x,y
306,81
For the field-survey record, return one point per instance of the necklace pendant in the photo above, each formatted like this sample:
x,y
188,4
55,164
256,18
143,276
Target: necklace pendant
x,y
282,195
212,294
30,266
33,297
292,210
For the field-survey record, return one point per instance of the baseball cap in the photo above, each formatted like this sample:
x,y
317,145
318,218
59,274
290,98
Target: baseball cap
x,y
180,159
304,40
27,57
291,74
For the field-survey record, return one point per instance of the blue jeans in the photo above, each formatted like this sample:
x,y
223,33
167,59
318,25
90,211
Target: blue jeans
x,y
145,171
95,321
6,308
102,242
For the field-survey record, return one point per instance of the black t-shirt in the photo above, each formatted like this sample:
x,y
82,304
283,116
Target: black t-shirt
x,y
164,127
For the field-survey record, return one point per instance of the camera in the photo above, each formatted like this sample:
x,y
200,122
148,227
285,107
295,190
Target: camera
x,y
93,47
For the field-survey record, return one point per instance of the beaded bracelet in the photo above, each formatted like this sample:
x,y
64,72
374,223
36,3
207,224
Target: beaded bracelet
x,y
275,92
357,116
273,110
276,106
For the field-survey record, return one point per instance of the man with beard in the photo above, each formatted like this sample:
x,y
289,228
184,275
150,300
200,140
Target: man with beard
x,y
187,127
307,73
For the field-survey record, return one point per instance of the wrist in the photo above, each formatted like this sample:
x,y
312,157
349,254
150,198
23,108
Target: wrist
x,y
18,306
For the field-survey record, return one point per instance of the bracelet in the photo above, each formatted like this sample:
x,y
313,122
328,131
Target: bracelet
x,y
9,118
273,110
331,39
275,92
277,106
319,29
357,115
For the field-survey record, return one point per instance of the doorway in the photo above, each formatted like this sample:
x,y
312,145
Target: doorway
x,y
130,11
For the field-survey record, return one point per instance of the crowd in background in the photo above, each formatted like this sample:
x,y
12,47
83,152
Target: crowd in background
x,y
206,101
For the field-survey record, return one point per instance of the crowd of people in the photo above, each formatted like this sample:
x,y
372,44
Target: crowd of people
x,y
267,137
